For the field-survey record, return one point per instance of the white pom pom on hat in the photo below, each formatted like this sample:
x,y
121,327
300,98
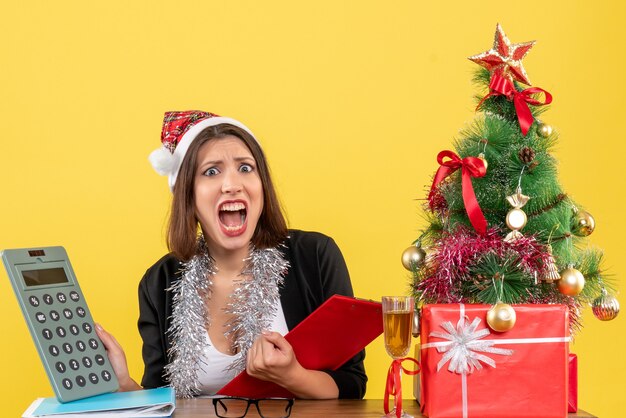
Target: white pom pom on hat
x,y
162,160
179,131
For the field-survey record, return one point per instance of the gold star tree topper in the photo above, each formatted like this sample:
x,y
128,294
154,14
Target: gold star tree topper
x,y
505,58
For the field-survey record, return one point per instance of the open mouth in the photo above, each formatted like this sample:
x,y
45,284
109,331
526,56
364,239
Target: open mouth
x,y
232,216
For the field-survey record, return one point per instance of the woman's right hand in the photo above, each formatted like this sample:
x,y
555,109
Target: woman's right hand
x,y
116,355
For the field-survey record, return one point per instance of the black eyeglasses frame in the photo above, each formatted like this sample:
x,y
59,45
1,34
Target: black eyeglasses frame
x,y
254,402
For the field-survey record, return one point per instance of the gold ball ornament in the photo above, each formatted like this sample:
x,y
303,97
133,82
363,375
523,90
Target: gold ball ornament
x,y
413,257
501,317
544,130
482,158
571,282
583,223
516,219
605,307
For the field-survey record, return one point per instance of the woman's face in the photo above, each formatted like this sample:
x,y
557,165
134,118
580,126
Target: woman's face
x,y
228,194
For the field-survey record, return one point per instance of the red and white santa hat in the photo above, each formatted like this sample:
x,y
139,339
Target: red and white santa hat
x,y
179,131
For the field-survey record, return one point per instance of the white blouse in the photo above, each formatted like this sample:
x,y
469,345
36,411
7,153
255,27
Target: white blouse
x,y
213,373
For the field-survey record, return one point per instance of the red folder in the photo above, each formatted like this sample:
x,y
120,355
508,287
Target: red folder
x,y
333,334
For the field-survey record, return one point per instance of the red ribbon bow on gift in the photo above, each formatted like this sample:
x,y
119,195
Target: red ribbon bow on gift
x,y
394,383
470,167
502,86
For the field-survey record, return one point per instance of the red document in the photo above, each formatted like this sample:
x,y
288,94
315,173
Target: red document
x,y
522,373
333,334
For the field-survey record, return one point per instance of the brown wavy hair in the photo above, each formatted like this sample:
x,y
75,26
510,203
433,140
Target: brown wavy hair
x,y
183,229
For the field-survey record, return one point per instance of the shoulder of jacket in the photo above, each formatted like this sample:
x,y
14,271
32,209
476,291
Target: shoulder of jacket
x,y
307,238
166,268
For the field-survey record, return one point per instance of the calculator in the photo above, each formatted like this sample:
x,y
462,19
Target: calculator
x,y
59,321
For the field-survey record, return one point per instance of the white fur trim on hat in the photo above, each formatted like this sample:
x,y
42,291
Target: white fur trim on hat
x,y
166,163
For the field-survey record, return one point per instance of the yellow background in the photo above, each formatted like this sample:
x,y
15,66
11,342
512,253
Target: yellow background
x,y
351,100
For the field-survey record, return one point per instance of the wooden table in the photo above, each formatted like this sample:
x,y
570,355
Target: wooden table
x,y
203,407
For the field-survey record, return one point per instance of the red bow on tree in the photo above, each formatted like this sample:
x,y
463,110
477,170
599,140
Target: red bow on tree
x,y
502,86
470,167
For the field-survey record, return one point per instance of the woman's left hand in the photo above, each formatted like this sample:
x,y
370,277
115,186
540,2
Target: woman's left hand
x,y
271,357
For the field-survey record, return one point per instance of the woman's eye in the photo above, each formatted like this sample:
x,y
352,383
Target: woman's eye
x,y
211,172
246,168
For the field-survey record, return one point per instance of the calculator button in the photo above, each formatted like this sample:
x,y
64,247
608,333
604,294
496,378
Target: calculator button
x,y
74,296
68,314
87,362
54,350
87,327
80,312
74,329
41,317
54,315
67,384
67,347
47,334
34,301
61,297
106,376
93,378
48,299
93,343
61,332
80,381
99,360
74,364
80,345
60,367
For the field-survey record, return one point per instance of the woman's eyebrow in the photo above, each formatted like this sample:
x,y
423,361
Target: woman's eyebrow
x,y
244,158
218,162
210,162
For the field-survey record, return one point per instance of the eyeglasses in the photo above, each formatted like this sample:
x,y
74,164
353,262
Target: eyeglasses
x,y
238,407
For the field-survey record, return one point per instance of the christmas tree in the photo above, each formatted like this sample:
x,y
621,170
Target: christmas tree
x,y
501,229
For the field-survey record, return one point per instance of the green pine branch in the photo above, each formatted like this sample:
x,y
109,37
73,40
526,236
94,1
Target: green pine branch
x,y
498,280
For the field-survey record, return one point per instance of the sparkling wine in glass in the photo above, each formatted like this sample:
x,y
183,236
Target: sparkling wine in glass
x,y
397,325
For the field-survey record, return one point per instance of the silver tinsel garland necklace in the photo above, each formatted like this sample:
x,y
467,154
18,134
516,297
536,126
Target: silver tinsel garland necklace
x,y
253,305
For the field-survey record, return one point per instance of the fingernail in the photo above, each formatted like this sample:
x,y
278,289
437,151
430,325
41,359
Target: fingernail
x,y
265,332
98,326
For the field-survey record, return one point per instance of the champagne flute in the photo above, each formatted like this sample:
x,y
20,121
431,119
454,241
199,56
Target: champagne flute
x,y
398,325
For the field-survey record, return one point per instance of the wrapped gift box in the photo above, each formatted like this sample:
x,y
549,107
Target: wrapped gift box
x,y
572,389
519,373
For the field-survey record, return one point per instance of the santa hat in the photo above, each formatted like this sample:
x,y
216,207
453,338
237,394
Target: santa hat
x,y
179,131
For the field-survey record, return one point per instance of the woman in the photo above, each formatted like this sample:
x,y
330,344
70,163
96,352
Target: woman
x,y
236,280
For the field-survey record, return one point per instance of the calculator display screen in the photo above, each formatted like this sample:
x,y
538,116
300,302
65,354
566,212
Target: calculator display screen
x,y
44,276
